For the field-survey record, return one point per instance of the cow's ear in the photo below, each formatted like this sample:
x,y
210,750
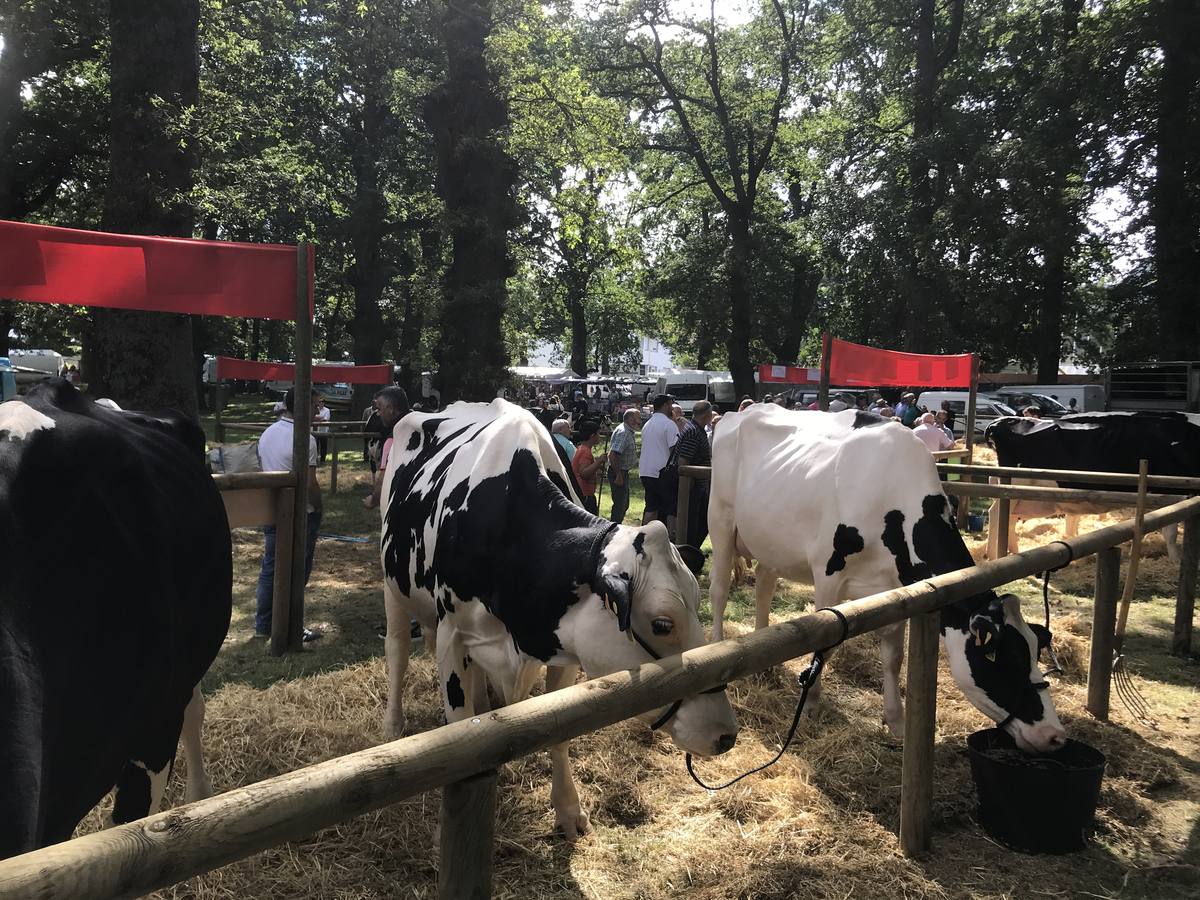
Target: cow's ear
x,y
614,592
1042,633
692,557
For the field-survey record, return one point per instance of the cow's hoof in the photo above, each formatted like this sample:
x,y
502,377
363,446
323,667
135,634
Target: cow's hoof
x,y
573,824
896,729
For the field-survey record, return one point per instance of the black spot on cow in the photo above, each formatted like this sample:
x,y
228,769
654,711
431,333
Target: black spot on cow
x,y
864,419
454,692
132,794
936,541
414,440
846,541
639,544
893,538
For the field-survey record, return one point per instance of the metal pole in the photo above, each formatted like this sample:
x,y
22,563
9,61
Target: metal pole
x,y
302,419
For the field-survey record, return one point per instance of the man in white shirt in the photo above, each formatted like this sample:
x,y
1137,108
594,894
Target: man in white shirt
x,y
659,435
931,434
275,451
322,415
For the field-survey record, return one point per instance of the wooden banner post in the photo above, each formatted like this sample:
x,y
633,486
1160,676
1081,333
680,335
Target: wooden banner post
x,y
823,388
302,429
971,398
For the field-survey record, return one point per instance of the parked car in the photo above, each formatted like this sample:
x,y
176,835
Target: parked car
x,y
1087,397
987,408
1047,407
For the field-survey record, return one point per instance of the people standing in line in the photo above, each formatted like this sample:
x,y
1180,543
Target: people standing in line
x,y
561,432
391,405
622,458
932,435
275,451
694,449
659,435
902,407
912,412
586,467
321,428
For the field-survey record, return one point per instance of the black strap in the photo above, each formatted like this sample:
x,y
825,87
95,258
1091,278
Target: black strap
x,y
1046,577
806,679
1040,686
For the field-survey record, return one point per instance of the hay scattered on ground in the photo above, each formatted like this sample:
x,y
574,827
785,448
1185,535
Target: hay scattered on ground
x,y
822,823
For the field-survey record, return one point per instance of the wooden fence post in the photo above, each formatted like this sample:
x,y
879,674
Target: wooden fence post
x,y
682,506
467,825
1003,517
1185,595
1104,621
281,592
920,722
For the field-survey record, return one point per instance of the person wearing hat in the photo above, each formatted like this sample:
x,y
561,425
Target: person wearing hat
x,y
912,412
659,435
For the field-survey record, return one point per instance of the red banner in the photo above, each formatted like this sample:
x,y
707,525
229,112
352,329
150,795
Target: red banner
x,y
856,365
44,264
247,370
771,374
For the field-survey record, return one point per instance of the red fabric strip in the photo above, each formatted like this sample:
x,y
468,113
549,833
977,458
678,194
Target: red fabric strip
x,y
249,370
45,264
855,364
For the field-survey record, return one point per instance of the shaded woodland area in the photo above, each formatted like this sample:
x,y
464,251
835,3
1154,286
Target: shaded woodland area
x,y
1019,178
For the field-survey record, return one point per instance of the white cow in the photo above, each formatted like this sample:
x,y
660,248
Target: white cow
x,y
852,503
481,542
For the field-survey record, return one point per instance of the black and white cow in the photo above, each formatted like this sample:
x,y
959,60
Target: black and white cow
x,y
1094,442
481,543
117,580
851,502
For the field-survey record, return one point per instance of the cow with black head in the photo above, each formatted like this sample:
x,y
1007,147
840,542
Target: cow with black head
x,y
485,543
852,503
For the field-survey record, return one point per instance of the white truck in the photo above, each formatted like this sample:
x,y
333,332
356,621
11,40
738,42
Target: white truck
x,y
32,366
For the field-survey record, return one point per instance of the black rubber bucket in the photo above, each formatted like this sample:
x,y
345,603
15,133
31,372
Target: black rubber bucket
x,y
1035,803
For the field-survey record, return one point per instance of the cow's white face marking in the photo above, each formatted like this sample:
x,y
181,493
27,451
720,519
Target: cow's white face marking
x,y
19,420
665,599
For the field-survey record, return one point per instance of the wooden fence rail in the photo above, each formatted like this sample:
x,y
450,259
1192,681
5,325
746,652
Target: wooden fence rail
x,y
1173,482
169,847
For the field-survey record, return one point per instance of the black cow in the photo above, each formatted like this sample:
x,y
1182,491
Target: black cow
x,y
117,596
1097,442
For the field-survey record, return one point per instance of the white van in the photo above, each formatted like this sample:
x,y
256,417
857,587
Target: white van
x,y
689,385
986,408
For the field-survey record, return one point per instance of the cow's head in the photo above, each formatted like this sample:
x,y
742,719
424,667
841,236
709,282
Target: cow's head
x,y
994,659
648,602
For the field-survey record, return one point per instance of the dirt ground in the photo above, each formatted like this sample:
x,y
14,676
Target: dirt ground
x,y
822,823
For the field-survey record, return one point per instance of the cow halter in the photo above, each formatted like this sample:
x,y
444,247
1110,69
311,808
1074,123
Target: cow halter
x,y
806,679
634,636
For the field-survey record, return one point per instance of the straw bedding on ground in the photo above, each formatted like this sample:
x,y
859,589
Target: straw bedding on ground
x,y
822,823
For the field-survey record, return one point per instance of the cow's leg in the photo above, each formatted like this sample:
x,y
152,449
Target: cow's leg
x,y
765,582
396,648
1170,534
891,654
1071,528
569,816
826,592
142,782
721,570
198,785
457,675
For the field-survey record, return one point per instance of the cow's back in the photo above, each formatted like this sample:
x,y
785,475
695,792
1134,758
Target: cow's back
x,y
791,478
117,588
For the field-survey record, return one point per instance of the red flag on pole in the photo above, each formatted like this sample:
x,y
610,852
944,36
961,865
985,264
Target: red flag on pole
x,y
44,264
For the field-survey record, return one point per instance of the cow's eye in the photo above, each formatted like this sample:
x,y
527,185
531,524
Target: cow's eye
x,y
662,625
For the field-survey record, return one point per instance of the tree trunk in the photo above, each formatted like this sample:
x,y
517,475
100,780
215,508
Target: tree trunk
x,y
579,330
144,360
806,279
740,365
1175,201
468,119
920,218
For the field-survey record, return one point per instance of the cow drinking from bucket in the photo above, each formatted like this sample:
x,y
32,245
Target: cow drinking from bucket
x,y
117,579
1093,442
852,503
482,541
